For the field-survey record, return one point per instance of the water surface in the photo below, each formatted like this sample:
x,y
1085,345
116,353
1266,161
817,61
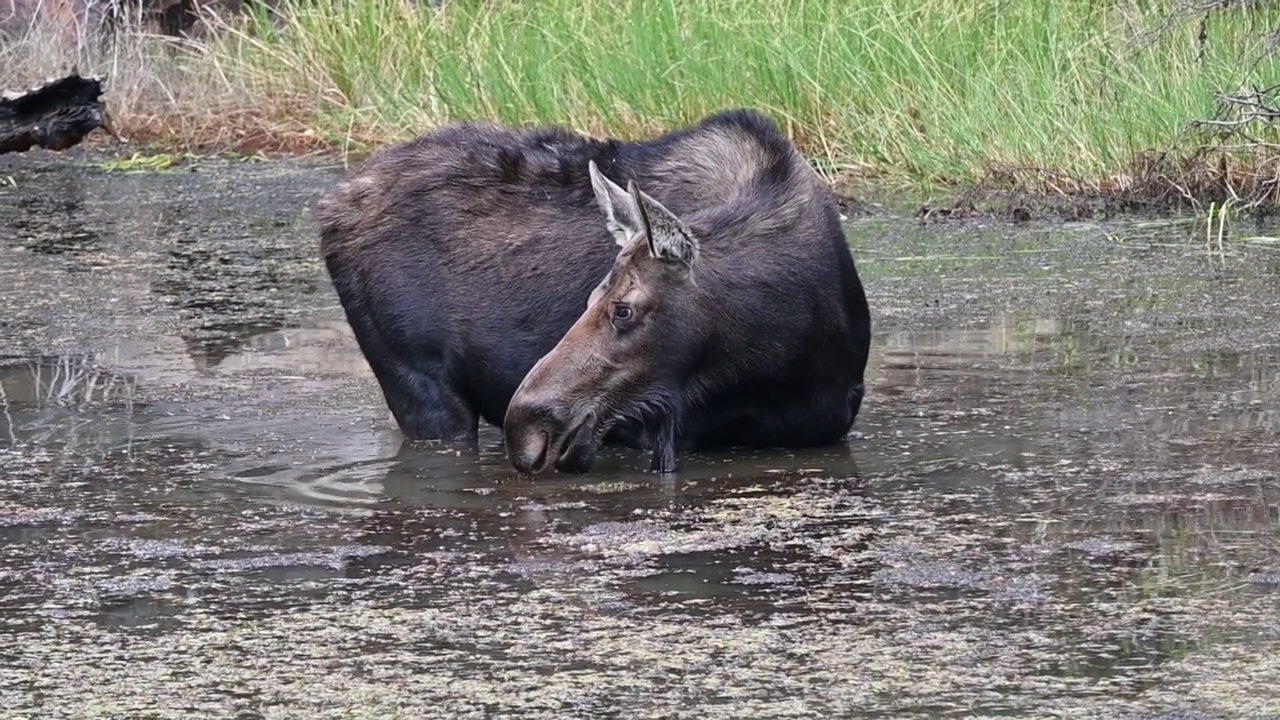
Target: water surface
x,y
1060,499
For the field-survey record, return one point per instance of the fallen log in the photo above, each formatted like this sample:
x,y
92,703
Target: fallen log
x,y
54,116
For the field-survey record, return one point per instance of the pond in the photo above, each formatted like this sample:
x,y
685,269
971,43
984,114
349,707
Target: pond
x,y
1060,499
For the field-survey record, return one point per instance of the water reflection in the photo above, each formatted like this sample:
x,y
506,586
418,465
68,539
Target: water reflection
x,y
1061,495
182,259
223,296
54,224
62,380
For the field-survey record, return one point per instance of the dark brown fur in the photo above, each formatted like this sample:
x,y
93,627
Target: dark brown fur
x,y
463,256
745,320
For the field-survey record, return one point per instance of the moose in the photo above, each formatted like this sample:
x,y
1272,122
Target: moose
x,y
505,274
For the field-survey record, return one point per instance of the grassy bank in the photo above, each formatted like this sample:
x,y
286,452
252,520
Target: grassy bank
x,y
1075,97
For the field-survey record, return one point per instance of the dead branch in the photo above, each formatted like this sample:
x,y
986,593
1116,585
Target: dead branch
x,y
55,116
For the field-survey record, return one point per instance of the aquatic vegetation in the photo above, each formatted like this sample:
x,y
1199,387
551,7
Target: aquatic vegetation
x,y
141,162
1060,503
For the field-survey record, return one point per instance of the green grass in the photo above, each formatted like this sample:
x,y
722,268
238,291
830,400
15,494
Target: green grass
x,y
919,94
930,92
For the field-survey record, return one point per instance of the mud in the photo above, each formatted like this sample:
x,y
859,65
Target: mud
x,y
1060,501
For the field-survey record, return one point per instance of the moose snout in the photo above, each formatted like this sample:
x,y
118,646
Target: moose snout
x,y
529,453
528,431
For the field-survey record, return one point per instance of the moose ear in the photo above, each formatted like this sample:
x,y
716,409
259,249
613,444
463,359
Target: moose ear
x,y
668,238
621,215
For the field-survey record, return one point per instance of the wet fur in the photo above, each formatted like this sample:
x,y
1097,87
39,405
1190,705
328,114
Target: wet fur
x,y
770,344
461,257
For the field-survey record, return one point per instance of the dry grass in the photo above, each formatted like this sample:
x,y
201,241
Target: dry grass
x,y
160,90
1243,174
1229,158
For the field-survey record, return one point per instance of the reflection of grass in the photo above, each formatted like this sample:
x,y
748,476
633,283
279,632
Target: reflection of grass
x,y
1208,532
1177,574
67,381
1220,212
1100,334
1218,230
1219,221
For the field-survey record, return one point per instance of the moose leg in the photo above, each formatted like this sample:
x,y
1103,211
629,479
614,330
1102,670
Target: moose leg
x,y
425,404
419,391
412,371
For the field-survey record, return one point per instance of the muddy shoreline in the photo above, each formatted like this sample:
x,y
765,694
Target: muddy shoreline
x,y
1060,499
1009,195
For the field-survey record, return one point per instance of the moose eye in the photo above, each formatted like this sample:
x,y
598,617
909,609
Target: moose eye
x,y
622,313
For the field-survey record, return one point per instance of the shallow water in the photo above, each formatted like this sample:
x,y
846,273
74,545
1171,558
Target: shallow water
x,y
1060,501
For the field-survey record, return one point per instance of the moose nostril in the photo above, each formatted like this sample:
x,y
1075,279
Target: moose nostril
x,y
530,455
542,443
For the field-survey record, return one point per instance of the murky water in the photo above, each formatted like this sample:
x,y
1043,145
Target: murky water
x,y
1062,500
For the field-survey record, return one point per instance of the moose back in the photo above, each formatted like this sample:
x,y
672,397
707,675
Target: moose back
x,y
690,291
